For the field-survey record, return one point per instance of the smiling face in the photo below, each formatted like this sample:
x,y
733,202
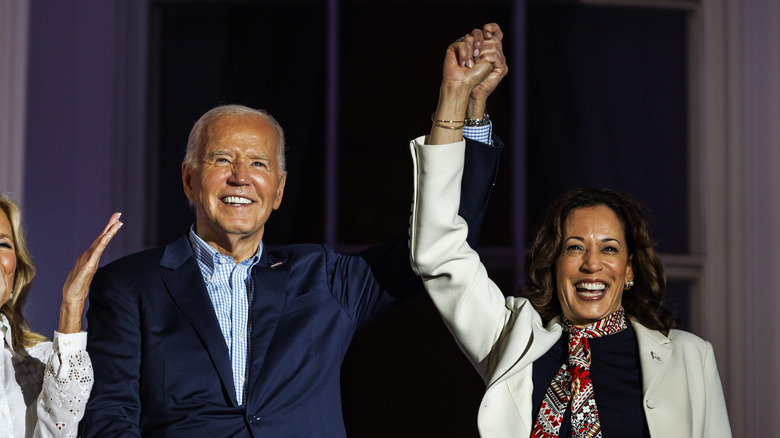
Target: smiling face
x,y
7,258
594,265
237,182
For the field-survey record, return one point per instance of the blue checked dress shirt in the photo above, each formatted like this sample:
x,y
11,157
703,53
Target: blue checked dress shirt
x,y
230,289
482,134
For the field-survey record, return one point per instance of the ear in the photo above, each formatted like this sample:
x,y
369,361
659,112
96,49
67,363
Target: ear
x,y
630,268
280,191
186,179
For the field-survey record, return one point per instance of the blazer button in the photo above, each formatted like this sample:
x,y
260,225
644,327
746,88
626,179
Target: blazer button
x,y
652,403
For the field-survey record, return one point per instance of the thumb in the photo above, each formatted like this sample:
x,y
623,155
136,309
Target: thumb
x,y
480,71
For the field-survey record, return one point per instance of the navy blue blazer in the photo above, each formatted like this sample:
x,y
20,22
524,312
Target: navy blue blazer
x,y
161,364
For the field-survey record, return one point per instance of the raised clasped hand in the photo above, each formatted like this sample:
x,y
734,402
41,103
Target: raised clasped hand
x,y
476,61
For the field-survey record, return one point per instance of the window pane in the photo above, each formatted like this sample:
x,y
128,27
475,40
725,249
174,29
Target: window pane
x,y
206,54
608,107
390,78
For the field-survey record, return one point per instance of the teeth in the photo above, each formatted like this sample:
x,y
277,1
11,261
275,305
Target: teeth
x,y
591,286
235,200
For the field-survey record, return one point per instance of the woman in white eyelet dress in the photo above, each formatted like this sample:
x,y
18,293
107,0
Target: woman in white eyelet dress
x,y
44,385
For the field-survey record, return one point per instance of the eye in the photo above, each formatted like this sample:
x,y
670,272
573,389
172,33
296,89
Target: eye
x,y
221,160
611,249
259,164
6,245
575,248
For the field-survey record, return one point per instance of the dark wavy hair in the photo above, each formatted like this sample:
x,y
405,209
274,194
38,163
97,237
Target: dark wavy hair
x,y
644,301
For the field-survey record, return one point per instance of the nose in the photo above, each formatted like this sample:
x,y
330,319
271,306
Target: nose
x,y
240,174
591,261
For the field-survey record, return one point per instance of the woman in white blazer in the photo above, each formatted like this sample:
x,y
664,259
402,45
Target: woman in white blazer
x,y
592,262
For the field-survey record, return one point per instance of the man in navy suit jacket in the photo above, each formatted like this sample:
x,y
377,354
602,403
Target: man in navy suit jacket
x,y
215,335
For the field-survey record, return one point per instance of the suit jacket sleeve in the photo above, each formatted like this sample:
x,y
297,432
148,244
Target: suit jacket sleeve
x,y
390,279
114,408
479,176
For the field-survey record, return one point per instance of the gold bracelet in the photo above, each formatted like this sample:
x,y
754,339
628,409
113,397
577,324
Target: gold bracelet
x,y
440,123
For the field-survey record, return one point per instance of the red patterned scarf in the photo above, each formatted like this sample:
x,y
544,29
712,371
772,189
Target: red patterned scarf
x,y
572,382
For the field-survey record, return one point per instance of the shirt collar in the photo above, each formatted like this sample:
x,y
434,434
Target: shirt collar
x,y
5,327
207,254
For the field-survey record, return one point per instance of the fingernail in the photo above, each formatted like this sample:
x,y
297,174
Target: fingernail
x,y
463,63
471,63
488,34
476,53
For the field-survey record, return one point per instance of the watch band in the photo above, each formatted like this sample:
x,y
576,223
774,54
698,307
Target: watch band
x,y
485,120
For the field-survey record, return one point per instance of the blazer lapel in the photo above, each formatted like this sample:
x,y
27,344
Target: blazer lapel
x,y
186,286
654,352
271,279
521,351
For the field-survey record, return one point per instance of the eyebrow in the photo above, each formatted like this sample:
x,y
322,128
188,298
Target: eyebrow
x,y
223,152
605,240
217,152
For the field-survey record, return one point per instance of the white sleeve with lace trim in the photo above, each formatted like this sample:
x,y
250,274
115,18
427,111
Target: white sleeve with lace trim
x,y
67,383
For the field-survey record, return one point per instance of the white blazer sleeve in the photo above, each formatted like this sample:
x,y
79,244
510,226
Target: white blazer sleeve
x,y
716,419
471,305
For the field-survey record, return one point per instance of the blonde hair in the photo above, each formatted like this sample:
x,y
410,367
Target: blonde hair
x,y
22,336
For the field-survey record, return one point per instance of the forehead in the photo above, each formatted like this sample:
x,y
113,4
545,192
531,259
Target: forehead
x,y
598,219
243,133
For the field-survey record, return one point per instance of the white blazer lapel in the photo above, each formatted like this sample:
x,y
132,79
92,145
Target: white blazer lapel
x,y
654,353
506,407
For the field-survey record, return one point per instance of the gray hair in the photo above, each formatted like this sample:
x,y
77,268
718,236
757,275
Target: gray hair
x,y
198,135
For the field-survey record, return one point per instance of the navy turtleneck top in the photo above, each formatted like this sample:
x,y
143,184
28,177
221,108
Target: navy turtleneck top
x,y
617,383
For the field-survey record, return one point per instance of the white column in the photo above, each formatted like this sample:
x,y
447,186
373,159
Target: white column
x,y
13,70
718,305
85,137
760,81
740,177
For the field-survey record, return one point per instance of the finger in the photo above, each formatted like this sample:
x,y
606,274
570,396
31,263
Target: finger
x,y
113,219
92,255
493,52
490,48
477,44
80,276
497,59
491,45
493,31
111,228
102,242
464,50
481,70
